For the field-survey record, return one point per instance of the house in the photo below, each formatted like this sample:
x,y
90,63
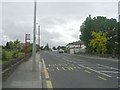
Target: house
x,y
75,47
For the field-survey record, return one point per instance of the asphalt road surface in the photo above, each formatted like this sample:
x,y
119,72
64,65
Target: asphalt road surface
x,y
72,71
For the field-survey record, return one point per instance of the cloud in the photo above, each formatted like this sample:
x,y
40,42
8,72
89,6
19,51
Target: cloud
x,y
60,22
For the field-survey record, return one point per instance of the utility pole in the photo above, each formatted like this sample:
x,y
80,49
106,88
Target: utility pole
x,y
34,39
39,41
39,36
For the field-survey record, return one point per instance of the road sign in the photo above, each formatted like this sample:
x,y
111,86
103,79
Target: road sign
x,y
27,37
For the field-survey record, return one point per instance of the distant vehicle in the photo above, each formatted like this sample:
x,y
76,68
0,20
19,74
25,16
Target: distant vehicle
x,y
61,51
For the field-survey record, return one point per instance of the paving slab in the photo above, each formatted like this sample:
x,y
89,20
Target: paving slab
x,y
24,77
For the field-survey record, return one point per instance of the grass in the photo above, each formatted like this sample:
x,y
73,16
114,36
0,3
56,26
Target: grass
x,y
3,62
0,62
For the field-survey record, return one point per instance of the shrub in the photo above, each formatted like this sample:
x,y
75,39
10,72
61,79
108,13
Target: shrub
x,y
6,55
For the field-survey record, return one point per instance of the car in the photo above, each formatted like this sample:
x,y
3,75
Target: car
x,y
61,51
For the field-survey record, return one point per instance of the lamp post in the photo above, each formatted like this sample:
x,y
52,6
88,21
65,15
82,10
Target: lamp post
x,y
39,36
34,39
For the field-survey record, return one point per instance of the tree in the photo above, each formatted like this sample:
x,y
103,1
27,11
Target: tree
x,y
54,48
46,47
58,48
9,45
99,24
17,47
41,48
99,42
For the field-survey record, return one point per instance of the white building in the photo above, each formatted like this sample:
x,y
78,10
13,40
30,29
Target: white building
x,y
75,47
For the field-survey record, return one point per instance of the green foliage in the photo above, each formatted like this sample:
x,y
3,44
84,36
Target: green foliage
x,y
54,48
99,42
100,24
21,54
46,47
41,48
6,55
13,50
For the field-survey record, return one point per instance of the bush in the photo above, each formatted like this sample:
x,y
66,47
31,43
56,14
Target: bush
x,y
6,55
20,54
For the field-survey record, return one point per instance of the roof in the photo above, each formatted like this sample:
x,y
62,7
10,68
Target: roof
x,y
75,43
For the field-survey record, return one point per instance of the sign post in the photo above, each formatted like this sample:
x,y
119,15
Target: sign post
x,y
27,37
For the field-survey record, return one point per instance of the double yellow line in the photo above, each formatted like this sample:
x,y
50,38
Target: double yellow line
x,y
48,81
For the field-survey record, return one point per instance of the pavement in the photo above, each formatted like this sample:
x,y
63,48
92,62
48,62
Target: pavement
x,y
72,71
24,77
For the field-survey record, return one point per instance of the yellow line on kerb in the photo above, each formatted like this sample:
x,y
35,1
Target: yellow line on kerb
x,y
48,81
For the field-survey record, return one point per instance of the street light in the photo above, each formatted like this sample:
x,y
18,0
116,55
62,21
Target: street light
x,y
39,35
34,39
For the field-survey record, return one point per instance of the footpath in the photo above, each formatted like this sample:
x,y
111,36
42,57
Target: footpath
x,y
24,77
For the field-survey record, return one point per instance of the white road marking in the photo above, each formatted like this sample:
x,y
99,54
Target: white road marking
x,y
101,78
57,68
108,67
95,70
63,68
118,77
78,67
87,71
74,67
59,64
70,68
110,71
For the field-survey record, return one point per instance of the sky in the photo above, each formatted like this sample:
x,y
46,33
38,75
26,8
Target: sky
x,y
60,21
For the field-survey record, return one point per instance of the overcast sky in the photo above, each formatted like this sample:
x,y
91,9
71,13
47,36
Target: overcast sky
x,y
60,21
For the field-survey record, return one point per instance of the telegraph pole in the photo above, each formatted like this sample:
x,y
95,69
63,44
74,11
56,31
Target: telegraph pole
x,y
34,39
39,36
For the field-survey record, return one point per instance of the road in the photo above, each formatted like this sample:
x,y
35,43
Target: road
x,y
71,71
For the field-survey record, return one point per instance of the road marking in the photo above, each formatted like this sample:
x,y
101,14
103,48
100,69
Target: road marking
x,y
108,67
40,66
49,84
57,68
72,64
70,68
95,70
48,81
55,64
101,78
74,67
49,65
87,71
110,71
118,77
78,67
59,64
45,69
63,68
40,77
